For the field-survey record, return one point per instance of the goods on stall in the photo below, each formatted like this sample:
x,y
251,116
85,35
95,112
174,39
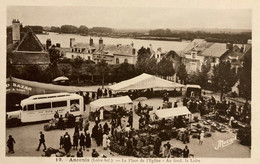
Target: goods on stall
x,y
69,122
167,105
176,152
207,134
50,151
244,135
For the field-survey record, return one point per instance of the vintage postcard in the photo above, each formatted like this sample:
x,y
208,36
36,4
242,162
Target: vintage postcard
x,y
130,81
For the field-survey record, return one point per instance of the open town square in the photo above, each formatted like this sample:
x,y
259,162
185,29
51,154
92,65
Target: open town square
x,y
90,88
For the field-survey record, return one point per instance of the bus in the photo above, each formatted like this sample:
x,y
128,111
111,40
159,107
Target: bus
x,y
43,107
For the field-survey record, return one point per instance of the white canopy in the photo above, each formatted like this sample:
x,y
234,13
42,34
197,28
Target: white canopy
x,y
144,81
61,78
111,101
172,112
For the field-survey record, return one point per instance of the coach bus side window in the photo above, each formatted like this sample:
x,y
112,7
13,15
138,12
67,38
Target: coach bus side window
x,y
43,106
74,105
30,107
59,104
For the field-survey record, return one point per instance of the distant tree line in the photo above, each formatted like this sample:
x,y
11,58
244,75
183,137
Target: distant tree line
x,y
208,36
70,29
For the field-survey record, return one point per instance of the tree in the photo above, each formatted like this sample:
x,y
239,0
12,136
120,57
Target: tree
x,y
244,75
54,55
123,72
143,61
50,73
70,29
224,77
91,69
82,29
165,68
76,67
32,73
182,73
103,70
203,74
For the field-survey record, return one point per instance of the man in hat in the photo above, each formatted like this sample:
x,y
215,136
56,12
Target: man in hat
x,y
42,141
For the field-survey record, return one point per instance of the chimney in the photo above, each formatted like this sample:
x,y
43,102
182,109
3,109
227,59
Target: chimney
x,y
91,43
242,49
72,42
100,43
229,46
15,30
133,51
57,44
48,44
132,44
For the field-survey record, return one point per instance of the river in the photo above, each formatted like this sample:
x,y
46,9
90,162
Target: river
x,y
64,40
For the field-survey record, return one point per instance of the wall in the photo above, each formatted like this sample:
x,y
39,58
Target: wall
x,y
121,58
72,55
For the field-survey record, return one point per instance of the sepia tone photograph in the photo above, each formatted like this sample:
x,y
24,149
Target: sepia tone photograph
x,y
128,82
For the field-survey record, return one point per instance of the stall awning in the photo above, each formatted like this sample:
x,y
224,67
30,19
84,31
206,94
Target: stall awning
x,y
26,87
111,101
172,112
145,81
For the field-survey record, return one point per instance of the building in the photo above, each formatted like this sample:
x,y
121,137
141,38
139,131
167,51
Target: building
x,y
112,54
116,54
28,50
236,55
199,51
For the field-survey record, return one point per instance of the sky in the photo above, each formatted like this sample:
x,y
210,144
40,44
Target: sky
x,y
131,17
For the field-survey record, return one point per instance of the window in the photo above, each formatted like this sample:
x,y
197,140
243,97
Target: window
x,y
193,54
117,61
126,61
30,107
72,56
43,106
72,50
213,60
88,57
59,104
193,66
74,105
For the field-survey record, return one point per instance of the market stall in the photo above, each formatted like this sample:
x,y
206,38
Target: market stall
x,y
145,81
111,105
170,113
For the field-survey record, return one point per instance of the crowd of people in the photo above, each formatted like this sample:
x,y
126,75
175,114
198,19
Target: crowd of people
x,y
120,129
220,108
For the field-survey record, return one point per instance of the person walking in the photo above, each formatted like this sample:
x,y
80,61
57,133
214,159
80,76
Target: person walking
x,y
105,137
86,127
110,93
166,153
82,141
88,140
106,128
41,141
61,123
201,137
10,144
101,113
61,142
75,141
157,147
186,152
67,143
